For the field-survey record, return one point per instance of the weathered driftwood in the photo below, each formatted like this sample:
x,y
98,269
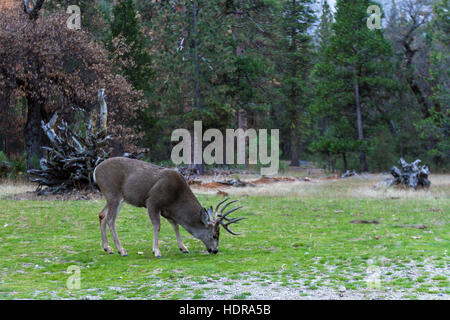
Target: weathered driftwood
x,y
235,183
72,155
349,173
410,175
71,158
188,173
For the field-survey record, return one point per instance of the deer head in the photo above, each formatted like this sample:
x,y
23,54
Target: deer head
x,y
215,219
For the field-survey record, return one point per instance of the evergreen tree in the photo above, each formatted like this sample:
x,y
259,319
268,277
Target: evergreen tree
x,y
354,73
128,44
215,72
324,30
436,127
294,66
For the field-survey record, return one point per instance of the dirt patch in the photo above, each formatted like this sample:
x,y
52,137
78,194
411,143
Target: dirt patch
x,y
365,221
331,178
414,226
194,182
273,180
213,185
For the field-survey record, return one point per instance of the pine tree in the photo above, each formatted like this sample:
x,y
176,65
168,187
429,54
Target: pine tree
x,y
440,57
128,43
215,73
294,66
324,30
436,127
353,74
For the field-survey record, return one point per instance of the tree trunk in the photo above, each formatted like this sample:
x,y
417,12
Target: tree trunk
x,y
425,105
34,135
362,156
295,150
344,159
242,124
198,166
197,72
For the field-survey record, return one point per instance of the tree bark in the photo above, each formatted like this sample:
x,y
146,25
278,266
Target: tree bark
x,y
295,150
199,166
425,104
242,124
362,156
344,159
34,135
196,61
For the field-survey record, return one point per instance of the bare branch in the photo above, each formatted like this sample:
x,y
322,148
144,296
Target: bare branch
x,y
31,8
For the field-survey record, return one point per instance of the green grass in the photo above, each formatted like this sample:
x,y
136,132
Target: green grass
x,y
242,296
284,238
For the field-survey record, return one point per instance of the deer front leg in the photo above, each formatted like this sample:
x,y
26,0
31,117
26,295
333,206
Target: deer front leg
x,y
177,234
155,218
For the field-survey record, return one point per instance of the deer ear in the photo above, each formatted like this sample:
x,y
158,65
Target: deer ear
x,y
204,216
210,212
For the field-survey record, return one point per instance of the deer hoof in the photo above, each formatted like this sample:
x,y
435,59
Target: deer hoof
x,y
157,254
123,253
109,250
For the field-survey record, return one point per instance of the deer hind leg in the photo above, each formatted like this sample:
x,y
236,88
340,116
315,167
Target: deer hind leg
x,y
114,208
102,217
177,233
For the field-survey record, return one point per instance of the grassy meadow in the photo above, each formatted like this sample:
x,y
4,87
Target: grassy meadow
x,y
300,238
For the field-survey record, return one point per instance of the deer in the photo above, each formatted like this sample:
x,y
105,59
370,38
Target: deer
x,y
164,192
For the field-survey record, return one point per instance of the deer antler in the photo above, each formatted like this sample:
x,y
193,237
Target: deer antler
x,y
220,215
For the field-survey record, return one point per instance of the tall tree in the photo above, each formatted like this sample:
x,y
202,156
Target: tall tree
x,y
324,31
355,70
211,72
436,127
294,66
415,15
128,44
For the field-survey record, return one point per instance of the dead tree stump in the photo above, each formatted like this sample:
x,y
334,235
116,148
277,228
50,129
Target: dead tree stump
x,y
411,175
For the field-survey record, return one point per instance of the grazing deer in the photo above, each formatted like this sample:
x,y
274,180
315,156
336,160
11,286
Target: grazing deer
x,y
163,192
